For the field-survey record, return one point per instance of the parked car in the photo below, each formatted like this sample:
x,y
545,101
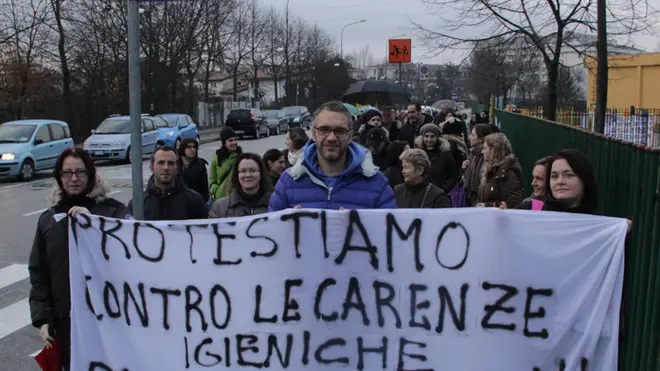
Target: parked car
x,y
111,140
27,146
298,116
277,121
247,121
177,127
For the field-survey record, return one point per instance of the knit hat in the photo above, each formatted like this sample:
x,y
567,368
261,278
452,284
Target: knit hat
x,y
227,133
376,136
454,127
370,114
430,128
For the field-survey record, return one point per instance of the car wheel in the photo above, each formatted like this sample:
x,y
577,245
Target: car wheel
x,y
177,143
129,156
277,130
197,139
27,170
256,133
267,132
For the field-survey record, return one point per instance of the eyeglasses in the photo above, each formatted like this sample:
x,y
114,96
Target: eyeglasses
x,y
80,174
324,131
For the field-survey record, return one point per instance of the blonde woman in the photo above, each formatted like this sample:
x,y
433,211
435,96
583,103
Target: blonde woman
x,y
501,183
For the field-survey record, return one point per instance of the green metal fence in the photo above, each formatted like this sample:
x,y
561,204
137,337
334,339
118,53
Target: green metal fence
x,y
628,177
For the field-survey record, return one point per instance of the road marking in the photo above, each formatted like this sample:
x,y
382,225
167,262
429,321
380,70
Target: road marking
x,y
26,183
12,274
35,212
115,192
4,190
14,318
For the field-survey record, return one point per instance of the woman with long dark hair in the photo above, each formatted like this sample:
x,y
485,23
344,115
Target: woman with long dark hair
x,y
570,184
474,166
193,168
275,163
250,189
296,139
78,189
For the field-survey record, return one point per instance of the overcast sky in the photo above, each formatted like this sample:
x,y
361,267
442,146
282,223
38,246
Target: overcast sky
x,y
385,19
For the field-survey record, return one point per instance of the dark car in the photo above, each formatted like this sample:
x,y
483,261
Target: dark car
x,y
277,121
248,121
298,116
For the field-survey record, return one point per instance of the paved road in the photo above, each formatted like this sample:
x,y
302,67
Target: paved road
x,y
21,204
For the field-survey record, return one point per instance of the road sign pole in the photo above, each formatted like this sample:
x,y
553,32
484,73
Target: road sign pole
x,y
134,87
401,73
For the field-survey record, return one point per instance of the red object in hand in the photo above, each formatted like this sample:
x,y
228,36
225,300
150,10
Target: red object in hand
x,y
49,358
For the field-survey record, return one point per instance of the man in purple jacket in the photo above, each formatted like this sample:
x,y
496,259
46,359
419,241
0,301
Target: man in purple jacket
x,y
333,172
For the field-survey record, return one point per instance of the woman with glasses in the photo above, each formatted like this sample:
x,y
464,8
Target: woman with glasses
x,y
78,189
193,168
250,188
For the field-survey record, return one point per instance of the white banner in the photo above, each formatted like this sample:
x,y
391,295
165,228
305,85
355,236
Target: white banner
x,y
453,289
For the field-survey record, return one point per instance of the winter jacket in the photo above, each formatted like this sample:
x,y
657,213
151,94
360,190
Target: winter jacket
x,y
220,175
50,299
444,172
394,175
550,204
425,195
502,183
196,177
177,203
360,186
235,205
408,132
458,149
473,173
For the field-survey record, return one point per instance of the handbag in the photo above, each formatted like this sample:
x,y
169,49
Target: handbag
x,y
458,195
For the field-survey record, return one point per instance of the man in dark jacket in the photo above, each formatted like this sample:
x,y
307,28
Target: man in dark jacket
x,y
377,142
166,197
412,123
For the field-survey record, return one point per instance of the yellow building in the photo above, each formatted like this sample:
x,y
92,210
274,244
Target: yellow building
x,y
634,80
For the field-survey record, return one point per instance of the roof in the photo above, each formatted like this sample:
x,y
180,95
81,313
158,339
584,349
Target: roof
x,y
36,122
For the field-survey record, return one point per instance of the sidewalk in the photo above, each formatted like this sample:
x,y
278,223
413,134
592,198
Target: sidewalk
x,y
208,135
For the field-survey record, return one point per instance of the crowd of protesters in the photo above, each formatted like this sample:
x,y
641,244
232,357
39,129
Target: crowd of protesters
x,y
376,161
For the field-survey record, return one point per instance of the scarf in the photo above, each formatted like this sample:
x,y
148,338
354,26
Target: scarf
x,y
293,157
185,162
473,171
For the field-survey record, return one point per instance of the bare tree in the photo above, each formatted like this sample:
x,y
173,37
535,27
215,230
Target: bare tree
x,y
361,58
496,66
239,43
218,15
275,47
21,54
569,88
258,45
548,27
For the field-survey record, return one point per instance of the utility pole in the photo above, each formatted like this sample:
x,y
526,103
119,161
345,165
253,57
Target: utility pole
x,y
602,67
134,87
287,79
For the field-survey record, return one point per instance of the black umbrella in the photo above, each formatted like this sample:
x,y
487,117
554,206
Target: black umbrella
x,y
378,92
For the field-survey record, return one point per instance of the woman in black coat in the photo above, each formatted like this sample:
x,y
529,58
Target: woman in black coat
x,y
78,189
193,168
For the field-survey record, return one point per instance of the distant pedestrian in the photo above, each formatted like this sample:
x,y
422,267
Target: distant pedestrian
x,y
166,196
223,162
275,164
193,168
296,139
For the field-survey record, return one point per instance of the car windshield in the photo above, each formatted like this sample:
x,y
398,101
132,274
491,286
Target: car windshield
x,y
114,126
292,111
166,122
16,133
272,114
240,113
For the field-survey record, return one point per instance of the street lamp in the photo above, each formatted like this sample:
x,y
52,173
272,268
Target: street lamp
x,y
342,36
